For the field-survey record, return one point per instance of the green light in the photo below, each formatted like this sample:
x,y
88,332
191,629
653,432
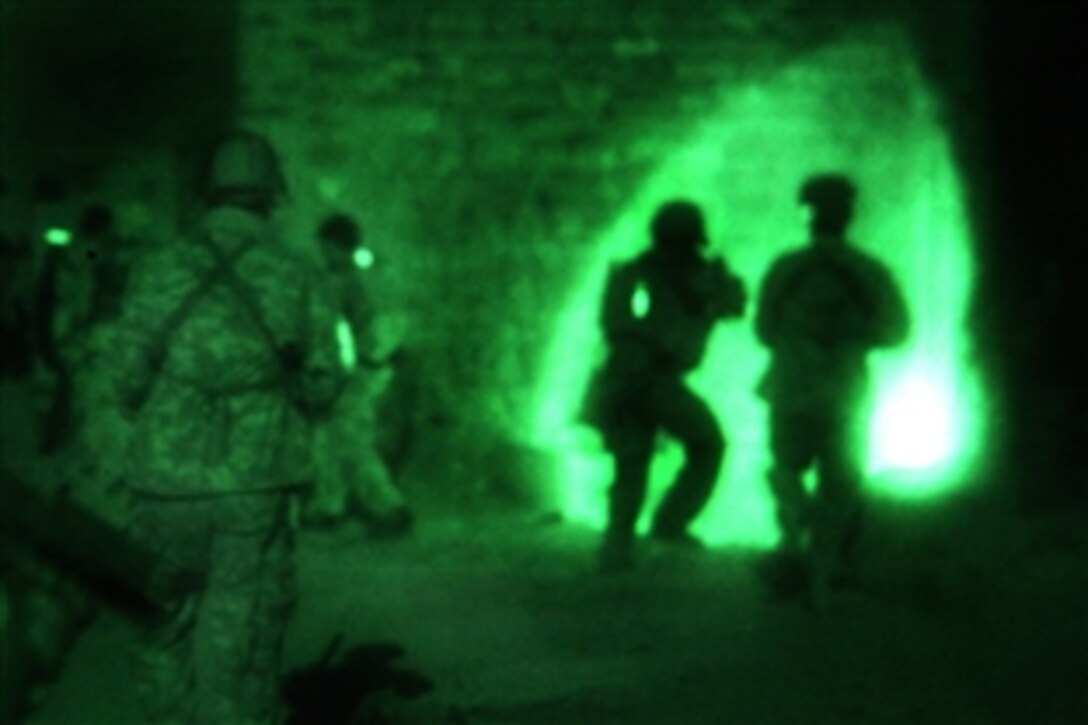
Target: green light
x,y
346,342
58,237
640,301
363,258
743,166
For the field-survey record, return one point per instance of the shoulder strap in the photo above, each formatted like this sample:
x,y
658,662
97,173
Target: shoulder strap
x,y
156,352
244,295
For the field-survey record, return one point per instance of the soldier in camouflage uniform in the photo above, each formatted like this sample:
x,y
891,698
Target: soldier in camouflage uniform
x,y
227,345
821,310
352,477
659,310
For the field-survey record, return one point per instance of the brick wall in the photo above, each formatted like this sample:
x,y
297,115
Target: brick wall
x,y
485,144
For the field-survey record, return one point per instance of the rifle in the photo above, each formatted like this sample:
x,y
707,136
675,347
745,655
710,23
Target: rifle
x,y
88,548
328,693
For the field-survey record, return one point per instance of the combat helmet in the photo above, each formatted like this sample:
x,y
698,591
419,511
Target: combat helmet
x,y
678,226
243,167
341,231
831,197
828,191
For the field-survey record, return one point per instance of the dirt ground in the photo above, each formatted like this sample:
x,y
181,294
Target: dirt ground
x,y
504,612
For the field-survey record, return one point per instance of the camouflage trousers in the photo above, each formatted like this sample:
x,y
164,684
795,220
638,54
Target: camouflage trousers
x,y
215,658
352,478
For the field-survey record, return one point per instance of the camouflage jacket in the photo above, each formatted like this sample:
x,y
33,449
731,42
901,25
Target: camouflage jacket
x,y
217,419
821,311
354,302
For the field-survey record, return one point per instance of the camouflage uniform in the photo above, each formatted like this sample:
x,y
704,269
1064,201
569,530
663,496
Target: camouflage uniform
x,y
640,390
352,475
821,310
216,450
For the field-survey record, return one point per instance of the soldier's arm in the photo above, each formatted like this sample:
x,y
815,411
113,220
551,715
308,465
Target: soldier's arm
x,y
619,316
890,321
630,312
768,322
729,297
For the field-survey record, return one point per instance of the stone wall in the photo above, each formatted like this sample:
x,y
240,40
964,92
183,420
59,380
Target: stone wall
x,y
486,145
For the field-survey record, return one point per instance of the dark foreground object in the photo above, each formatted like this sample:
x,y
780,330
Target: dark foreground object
x,y
345,689
58,561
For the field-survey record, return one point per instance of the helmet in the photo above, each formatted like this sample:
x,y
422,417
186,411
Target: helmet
x,y
678,224
244,163
828,192
831,197
340,230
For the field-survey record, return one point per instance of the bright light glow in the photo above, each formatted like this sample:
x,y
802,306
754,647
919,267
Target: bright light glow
x,y
345,341
58,237
744,166
913,427
640,301
363,258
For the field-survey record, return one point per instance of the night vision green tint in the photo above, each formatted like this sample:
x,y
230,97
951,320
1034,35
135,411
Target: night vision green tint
x,y
858,107
57,237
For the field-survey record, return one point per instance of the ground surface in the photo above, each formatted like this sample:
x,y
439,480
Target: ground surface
x,y
506,615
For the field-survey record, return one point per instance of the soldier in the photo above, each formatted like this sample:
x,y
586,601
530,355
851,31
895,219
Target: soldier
x,y
821,310
226,350
61,290
16,293
659,310
107,258
353,478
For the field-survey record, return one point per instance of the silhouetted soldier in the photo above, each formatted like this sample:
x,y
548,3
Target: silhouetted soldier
x,y
16,293
821,310
659,310
61,291
80,294
354,480
228,347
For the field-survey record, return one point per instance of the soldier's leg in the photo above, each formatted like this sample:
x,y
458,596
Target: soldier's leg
x,y
838,507
684,415
793,447
372,494
631,445
277,599
243,616
327,502
357,481
178,532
